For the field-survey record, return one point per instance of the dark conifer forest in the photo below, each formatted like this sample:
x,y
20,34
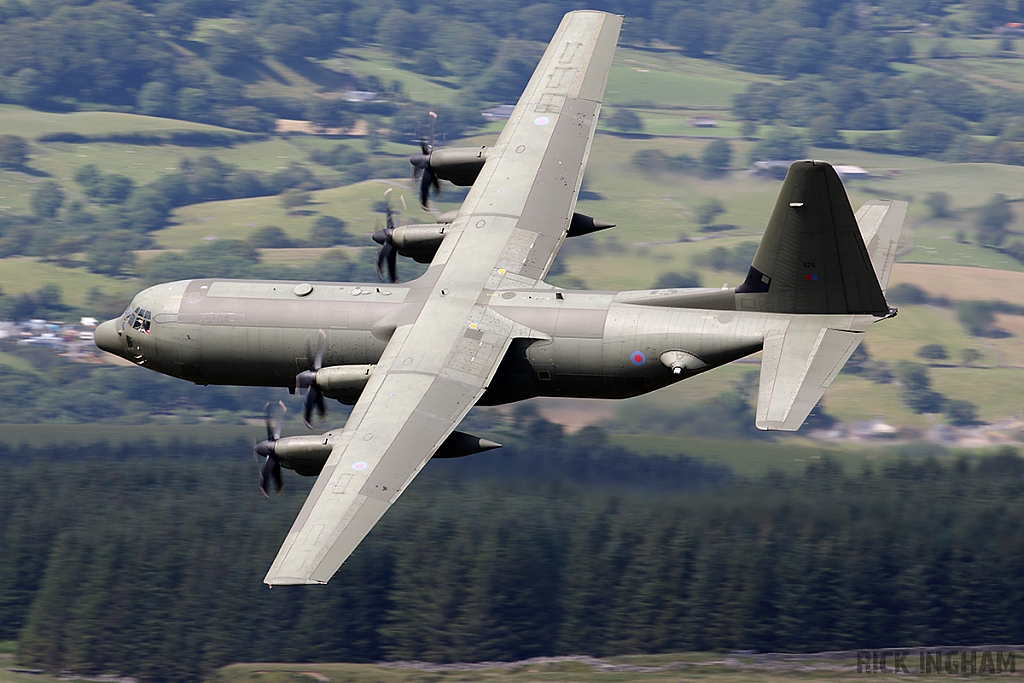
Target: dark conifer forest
x,y
149,561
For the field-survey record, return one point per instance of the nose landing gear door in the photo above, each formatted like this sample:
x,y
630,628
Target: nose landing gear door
x,y
133,348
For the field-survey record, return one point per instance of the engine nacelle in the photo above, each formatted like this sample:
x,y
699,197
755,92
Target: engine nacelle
x,y
304,454
458,165
308,454
419,242
343,382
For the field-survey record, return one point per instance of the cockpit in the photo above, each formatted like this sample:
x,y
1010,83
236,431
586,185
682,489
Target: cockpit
x,y
133,334
136,319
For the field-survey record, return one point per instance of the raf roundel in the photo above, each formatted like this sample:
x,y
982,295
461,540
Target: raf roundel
x,y
638,358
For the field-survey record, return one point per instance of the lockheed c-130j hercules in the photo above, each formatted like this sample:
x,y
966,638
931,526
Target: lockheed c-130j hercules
x,y
481,326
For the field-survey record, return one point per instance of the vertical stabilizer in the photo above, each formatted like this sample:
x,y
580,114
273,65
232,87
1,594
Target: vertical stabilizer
x,y
812,258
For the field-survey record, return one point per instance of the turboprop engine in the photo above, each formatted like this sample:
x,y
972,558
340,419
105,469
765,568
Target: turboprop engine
x,y
308,454
420,242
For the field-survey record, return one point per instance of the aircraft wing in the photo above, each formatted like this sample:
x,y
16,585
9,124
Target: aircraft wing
x,y
401,418
441,358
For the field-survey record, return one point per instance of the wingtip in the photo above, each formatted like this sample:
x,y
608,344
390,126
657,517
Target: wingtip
x,y
272,581
776,426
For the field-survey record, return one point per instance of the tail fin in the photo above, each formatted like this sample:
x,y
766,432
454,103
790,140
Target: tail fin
x,y
812,258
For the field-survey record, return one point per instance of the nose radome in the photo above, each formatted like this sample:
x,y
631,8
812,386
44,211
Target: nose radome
x,y
106,338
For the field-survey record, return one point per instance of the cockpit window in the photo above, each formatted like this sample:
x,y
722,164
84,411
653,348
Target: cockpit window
x,y
139,319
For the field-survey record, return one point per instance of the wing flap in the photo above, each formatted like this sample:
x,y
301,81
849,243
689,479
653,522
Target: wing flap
x,y
797,365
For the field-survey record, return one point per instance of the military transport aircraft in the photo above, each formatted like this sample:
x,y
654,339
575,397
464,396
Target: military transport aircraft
x,y
481,326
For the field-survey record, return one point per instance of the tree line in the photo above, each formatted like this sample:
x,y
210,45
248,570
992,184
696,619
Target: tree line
x,y
939,116
147,563
166,58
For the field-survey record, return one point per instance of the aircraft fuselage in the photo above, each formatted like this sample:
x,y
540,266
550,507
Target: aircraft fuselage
x,y
582,343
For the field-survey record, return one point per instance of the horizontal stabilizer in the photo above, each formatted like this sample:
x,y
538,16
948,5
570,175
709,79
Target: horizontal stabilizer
x,y
797,366
880,224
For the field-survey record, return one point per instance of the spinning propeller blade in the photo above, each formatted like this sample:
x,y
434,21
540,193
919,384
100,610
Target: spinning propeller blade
x,y
270,473
387,254
307,380
422,176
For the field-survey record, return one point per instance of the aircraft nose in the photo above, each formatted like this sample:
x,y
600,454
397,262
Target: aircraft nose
x,y
106,338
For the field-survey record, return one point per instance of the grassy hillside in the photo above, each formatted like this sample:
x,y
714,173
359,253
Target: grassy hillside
x,y
656,234
30,123
705,666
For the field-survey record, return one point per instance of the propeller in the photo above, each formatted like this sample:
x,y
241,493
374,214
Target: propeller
x,y
270,474
422,177
307,380
385,238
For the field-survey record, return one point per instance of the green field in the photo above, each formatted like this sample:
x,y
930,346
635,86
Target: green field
x,y
628,669
675,123
662,668
238,218
945,251
26,274
146,163
372,62
30,123
637,77
713,667
669,79
900,338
